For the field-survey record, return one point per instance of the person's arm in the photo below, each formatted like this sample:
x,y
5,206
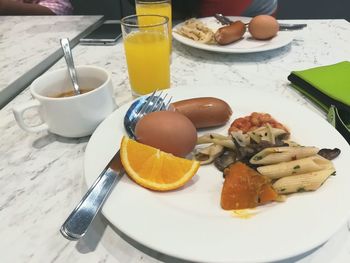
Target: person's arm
x,y
8,7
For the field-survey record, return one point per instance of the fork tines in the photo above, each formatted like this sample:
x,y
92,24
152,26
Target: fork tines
x,y
155,102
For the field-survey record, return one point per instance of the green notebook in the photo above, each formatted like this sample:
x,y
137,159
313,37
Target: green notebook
x,y
329,88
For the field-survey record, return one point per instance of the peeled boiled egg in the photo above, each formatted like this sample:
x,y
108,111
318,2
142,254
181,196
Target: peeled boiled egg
x,y
168,131
263,27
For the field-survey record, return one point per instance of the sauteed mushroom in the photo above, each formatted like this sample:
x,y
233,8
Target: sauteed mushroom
x,y
329,153
224,160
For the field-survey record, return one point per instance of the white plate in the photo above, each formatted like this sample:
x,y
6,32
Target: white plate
x,y
245,45
189,223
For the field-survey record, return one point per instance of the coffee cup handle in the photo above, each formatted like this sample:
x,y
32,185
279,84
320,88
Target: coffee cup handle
x,y
19,110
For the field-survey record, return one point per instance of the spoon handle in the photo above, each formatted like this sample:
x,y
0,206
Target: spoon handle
x,y
70,64
84,213
284,27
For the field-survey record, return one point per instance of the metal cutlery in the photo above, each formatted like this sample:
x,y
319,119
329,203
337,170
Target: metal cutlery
x,y
224,20
84,213
68,56
137,110
286,27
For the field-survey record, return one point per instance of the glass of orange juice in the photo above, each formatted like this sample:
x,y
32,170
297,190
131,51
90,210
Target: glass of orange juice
x,y
146,44
156,7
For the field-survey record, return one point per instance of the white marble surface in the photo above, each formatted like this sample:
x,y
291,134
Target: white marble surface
x,y
41,176
28,43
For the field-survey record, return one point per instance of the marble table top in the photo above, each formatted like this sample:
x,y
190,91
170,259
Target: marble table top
x,y
41,174
30,44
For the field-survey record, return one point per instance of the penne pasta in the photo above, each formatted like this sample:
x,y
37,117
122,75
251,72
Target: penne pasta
x,y
302,182
300,166
209,154
266,133
291,143
282,154
219,139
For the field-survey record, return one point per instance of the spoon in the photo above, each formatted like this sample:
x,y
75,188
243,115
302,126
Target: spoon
x,y
78,222
70,64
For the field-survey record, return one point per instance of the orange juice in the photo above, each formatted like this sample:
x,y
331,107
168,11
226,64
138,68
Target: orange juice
x,y
147,56
162,8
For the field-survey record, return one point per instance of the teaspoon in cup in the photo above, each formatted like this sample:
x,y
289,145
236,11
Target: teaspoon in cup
x,y
70,64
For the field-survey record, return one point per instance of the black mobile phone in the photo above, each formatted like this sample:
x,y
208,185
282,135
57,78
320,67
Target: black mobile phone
x,y
105,34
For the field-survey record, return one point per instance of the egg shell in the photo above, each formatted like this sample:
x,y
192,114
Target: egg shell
x,y
168,131
263,27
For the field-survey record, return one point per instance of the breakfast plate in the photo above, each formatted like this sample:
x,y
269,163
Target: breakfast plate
x,y
189,223
246,45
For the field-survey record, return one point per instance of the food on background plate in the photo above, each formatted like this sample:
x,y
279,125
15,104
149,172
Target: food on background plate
x,y
197,31
204,112
155,169
231,33
263,27
168,131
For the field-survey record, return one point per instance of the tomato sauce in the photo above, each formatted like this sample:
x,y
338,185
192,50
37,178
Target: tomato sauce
x,y
254,121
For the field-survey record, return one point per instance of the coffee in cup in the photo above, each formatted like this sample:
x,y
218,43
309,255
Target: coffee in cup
x,y
69,116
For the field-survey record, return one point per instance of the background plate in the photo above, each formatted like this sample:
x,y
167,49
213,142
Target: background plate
x,y
189,223
245,45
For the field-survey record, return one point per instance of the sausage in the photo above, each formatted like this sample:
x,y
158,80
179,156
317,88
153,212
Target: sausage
x,y
204,112
231,33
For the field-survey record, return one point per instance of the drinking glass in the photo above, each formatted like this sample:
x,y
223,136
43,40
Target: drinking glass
x,y
156,7
146,44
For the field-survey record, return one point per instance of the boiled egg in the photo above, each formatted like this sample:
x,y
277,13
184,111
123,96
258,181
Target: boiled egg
x,y
168,131
263,27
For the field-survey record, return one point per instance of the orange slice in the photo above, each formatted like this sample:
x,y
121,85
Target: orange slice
x,y
154,169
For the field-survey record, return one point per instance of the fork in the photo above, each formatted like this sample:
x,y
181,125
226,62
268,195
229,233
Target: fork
x,y
78,222
143,106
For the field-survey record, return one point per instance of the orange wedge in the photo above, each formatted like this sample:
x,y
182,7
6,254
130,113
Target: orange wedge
x,y
154,169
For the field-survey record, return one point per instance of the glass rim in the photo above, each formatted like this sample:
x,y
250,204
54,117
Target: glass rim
x,y
152,2
124,23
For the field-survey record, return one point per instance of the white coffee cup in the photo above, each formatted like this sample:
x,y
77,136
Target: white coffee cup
x,y
73,116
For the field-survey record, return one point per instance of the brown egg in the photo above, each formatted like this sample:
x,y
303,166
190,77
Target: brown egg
x,y
263,27
168,131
